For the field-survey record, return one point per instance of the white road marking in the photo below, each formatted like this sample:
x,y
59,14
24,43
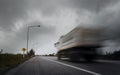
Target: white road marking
x,y
91,72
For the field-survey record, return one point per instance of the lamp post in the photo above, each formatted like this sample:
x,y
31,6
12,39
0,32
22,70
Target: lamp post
x,y
28,34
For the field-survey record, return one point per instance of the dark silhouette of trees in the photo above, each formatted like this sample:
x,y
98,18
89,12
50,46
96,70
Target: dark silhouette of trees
x,y
1,51
31,52
112,56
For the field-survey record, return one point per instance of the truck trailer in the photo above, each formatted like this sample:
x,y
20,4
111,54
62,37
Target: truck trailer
x,y
79,43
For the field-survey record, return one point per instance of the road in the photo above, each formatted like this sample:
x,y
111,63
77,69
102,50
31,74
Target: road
x,y
44,65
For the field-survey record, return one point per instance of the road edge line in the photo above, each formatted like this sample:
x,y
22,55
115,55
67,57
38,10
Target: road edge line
x,y
88,71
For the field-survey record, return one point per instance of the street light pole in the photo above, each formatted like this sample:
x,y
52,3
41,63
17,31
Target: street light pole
x,y
28,34
27,38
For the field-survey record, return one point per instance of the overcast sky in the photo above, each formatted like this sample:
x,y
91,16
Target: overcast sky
x,y
56,17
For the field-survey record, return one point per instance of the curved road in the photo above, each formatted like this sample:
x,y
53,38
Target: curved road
x,y
41,65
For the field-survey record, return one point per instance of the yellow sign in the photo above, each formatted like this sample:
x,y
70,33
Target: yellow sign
x,y
23,49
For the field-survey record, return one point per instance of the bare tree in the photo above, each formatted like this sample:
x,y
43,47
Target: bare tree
x,y
1,51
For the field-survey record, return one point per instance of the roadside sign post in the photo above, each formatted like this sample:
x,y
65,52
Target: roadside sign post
x,y
23,49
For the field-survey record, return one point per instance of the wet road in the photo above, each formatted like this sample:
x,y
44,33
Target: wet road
x,y
41,65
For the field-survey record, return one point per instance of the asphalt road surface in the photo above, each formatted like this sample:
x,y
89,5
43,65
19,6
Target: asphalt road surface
x,y
44,65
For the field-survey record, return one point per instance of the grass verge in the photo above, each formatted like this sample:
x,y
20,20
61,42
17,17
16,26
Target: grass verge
x,y
8,61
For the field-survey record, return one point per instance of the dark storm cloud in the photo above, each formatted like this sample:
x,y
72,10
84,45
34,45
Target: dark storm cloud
x,y
13,20
91,5
10,10
109,18
54,16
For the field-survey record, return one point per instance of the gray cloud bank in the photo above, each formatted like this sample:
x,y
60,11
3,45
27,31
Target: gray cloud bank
x,y
56,17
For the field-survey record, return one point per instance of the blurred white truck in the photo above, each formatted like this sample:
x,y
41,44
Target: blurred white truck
x,y
79,43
